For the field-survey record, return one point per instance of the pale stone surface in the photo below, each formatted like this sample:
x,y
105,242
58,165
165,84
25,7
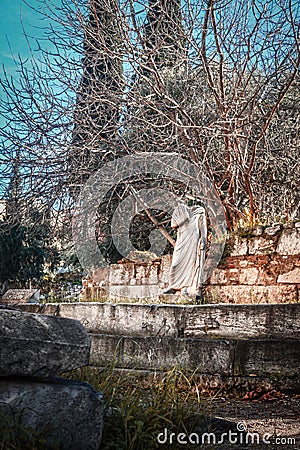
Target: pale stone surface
x,y
271,231
40,345
243,263
289,242
253,294
166,261
140,272
260,246
290,277
152,275
229,357
144,291
71,412
121,273
249,275
221,320
240,247
21,296
218,276
163,353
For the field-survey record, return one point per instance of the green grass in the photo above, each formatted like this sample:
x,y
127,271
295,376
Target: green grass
x,y
14,435
137,408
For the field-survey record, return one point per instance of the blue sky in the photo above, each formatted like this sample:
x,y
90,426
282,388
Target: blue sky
x,y
11,12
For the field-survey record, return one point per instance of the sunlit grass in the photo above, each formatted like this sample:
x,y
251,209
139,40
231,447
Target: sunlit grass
x,y
137,408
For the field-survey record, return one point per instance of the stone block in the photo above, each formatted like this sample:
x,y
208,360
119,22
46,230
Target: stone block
x,y
290,277
219,276
152,274
267,356
233,275
271,231
219,320
163,353
252,294
125,292
40,345
21,296
243,321
121,273
210,356
240,247
248,275
289,242
140,272
261,246
70,413
164,273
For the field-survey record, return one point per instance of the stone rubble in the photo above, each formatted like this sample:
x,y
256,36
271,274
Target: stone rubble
x,y
33,349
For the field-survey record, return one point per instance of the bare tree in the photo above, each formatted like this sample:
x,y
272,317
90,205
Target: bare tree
x,y
216,82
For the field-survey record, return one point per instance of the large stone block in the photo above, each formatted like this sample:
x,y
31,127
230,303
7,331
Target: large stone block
x,y
289,242
290,277
261,245
252,294
40,345
70,413
125,292
228,357
163,353
223,320
16,296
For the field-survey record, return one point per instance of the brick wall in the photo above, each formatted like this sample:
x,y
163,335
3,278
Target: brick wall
x,y
261,265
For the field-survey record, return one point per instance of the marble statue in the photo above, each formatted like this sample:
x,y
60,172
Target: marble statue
x,y
186,274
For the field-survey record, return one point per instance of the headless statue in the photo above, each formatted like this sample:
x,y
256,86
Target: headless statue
x,y
186,274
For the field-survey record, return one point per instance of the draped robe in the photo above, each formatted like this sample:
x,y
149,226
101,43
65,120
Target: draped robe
x,y
189,251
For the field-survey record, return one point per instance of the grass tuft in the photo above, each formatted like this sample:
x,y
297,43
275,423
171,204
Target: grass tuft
x,y
137,408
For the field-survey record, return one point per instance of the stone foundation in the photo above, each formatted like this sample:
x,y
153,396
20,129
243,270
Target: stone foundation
x,y
262,266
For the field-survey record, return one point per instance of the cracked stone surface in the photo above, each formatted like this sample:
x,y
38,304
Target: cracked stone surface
x,y
69,412
40,345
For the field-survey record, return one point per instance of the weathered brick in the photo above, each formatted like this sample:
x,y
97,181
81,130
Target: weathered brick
x,y
290,277
289,242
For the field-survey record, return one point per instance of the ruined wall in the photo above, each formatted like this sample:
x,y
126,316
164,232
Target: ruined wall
x,y
260,265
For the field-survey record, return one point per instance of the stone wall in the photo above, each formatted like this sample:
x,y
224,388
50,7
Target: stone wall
x,y
260,265
183,321
228,346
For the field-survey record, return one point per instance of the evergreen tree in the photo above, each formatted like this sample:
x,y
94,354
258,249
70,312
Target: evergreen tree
x,y
98,103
